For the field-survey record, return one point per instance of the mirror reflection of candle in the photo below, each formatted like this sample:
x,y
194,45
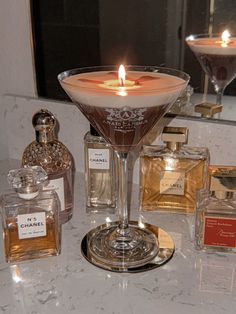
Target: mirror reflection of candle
x,y
225,38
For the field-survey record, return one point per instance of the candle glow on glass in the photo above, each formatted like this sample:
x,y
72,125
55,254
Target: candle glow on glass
x,y
225,38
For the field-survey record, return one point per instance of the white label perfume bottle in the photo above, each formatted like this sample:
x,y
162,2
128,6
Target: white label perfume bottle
x,y
99,174
170,175
30,216
215,228
46,151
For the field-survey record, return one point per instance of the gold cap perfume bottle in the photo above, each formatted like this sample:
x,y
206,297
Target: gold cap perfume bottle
x,y
30,216
215,227
54,157
171,174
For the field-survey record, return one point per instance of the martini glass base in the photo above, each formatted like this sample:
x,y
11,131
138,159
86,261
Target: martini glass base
x,y
155,248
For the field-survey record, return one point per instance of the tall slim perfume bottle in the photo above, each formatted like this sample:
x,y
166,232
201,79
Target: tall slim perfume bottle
x,y
171,174
46,151
99,174
30,216
215,227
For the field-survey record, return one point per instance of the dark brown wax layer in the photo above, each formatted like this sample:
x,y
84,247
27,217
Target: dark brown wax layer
x,y
220,68
123,127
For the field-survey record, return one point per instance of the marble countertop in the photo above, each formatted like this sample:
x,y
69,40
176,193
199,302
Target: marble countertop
x,y
191,282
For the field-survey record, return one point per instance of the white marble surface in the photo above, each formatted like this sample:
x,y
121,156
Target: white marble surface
x,y
192,282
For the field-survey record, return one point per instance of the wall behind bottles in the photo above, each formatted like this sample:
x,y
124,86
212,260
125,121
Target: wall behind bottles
x,y
18,112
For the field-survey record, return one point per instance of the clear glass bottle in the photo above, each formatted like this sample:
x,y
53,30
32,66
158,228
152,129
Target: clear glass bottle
x,y
30,216
46,151
215,227
99,174
171,174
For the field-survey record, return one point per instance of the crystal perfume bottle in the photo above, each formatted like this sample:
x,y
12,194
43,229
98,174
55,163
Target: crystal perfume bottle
x,y
30,216
171,174
215,227
46,151
99,174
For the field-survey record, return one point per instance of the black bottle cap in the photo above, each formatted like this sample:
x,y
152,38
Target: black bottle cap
x,y
93,131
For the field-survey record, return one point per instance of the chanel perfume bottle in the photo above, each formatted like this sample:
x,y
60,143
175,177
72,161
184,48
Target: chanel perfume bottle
x,y
30,216
99,174
171,174
46,151
215,228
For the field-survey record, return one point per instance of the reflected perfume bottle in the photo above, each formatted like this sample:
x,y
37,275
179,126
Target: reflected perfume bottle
x,y
46,151
215,228
99,174
171,174
30,216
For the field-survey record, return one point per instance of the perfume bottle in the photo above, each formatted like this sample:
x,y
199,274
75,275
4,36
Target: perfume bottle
x,y
30,216
99,174
54,157
215,227
171,174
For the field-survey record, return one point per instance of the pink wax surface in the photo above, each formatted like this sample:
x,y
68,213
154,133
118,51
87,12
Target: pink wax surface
x,y
213,46
152,89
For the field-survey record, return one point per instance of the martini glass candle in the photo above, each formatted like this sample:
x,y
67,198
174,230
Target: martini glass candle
x,y
217,56
123,107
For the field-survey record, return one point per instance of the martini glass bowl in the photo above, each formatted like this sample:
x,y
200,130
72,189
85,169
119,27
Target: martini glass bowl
x,y
123,112
217,58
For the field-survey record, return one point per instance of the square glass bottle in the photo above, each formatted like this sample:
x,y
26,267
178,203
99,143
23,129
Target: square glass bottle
x,y
99,174
170,175
30,216
215,226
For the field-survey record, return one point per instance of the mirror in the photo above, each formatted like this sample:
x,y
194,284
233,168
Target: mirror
x,y
69,34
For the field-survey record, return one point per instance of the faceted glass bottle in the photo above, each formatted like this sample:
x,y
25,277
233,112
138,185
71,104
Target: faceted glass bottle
x,y
215,226
171,174
30,216
46,151
99,174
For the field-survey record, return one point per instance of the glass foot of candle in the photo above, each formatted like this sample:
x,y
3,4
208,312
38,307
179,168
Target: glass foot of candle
x,y
149,248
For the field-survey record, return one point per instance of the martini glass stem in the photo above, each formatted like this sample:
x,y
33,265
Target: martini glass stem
x,y
123,226
219,94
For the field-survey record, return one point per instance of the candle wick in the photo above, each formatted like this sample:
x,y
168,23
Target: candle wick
x,y
122,82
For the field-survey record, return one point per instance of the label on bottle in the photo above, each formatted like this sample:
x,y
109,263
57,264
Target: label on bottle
x,y
58,186
31,225
172,182
99,158
219,231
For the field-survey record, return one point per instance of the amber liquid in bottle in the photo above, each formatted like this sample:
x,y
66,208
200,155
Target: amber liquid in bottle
x,y
171,189
15,248
170,175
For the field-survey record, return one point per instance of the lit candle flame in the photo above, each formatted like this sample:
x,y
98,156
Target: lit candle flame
x,y
225,38
121,75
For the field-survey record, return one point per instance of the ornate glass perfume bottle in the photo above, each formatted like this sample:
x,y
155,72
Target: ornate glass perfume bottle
x,y
30,216
215,228
99,174
171,174
46,151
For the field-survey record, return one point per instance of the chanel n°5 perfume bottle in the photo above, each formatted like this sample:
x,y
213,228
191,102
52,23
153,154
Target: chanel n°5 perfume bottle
x,y
46,151
99,174
30,216
215,228
171,174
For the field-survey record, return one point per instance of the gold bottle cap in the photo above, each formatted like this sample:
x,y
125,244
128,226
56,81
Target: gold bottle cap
x,y
222,178
44,123
175,134
208,110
